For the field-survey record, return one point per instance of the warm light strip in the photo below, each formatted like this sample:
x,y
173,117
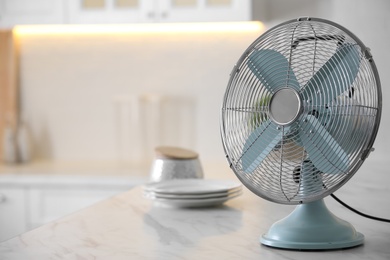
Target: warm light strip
x,y
140,28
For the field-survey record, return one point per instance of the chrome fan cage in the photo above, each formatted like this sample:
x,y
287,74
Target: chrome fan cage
x,y
297,165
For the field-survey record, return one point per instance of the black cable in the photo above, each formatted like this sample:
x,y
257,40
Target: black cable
x,y
358,212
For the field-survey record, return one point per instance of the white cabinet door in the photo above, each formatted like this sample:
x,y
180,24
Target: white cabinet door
x,y
12,212
13,12
110,11
204,10
50,203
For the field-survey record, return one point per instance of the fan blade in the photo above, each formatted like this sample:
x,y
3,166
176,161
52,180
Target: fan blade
x,y
260,143
324,151
334,77
272,69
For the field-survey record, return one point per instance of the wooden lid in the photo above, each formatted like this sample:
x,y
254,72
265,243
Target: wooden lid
x,y
177,153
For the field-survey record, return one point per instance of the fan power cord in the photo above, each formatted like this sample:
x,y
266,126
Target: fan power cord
x,y
358,212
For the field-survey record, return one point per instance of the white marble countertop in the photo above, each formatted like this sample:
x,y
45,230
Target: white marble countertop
x,y
129,226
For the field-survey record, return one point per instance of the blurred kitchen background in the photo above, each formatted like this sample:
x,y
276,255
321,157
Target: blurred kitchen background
x,y
88,88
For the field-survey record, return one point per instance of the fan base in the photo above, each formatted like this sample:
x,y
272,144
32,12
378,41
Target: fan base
x,y
312,226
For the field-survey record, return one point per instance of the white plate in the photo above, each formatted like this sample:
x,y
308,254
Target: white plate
x,y
193,203
152,195
192,186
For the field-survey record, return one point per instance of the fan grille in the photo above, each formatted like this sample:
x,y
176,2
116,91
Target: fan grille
x,y
286,175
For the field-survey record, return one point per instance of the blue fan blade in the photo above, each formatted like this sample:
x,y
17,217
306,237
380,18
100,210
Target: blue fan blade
x,y
334,77
260,143
272,69
324,151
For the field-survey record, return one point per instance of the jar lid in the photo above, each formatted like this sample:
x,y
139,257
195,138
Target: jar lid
x,y
177,153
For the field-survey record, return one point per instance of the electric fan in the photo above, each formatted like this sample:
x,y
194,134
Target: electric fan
x,y
299,117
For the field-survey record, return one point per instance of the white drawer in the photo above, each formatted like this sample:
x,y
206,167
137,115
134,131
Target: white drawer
x,y
12,212
48,204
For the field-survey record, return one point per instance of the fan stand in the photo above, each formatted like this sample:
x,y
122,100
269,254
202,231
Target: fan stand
x,y
311,226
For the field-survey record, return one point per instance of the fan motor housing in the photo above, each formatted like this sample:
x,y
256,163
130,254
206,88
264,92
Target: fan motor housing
x,y
285,106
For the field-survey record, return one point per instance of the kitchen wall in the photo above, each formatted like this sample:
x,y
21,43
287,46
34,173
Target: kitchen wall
x,y
69,83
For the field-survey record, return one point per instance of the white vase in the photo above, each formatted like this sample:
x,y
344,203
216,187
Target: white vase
x,y
23,143
9,145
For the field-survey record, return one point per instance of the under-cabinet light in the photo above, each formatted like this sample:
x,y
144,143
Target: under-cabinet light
x,y
214,27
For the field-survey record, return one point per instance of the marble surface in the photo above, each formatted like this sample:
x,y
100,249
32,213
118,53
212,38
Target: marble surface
x,y
129,226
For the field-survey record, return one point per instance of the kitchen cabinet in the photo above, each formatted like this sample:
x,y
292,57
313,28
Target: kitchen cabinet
x,y
12,212
204,10
50,203
127,11
15,12
31,200
110,11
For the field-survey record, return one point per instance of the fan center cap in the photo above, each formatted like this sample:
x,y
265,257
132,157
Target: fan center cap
x,y
285,106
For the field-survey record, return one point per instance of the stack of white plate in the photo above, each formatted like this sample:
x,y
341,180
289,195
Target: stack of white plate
x,y
192,192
